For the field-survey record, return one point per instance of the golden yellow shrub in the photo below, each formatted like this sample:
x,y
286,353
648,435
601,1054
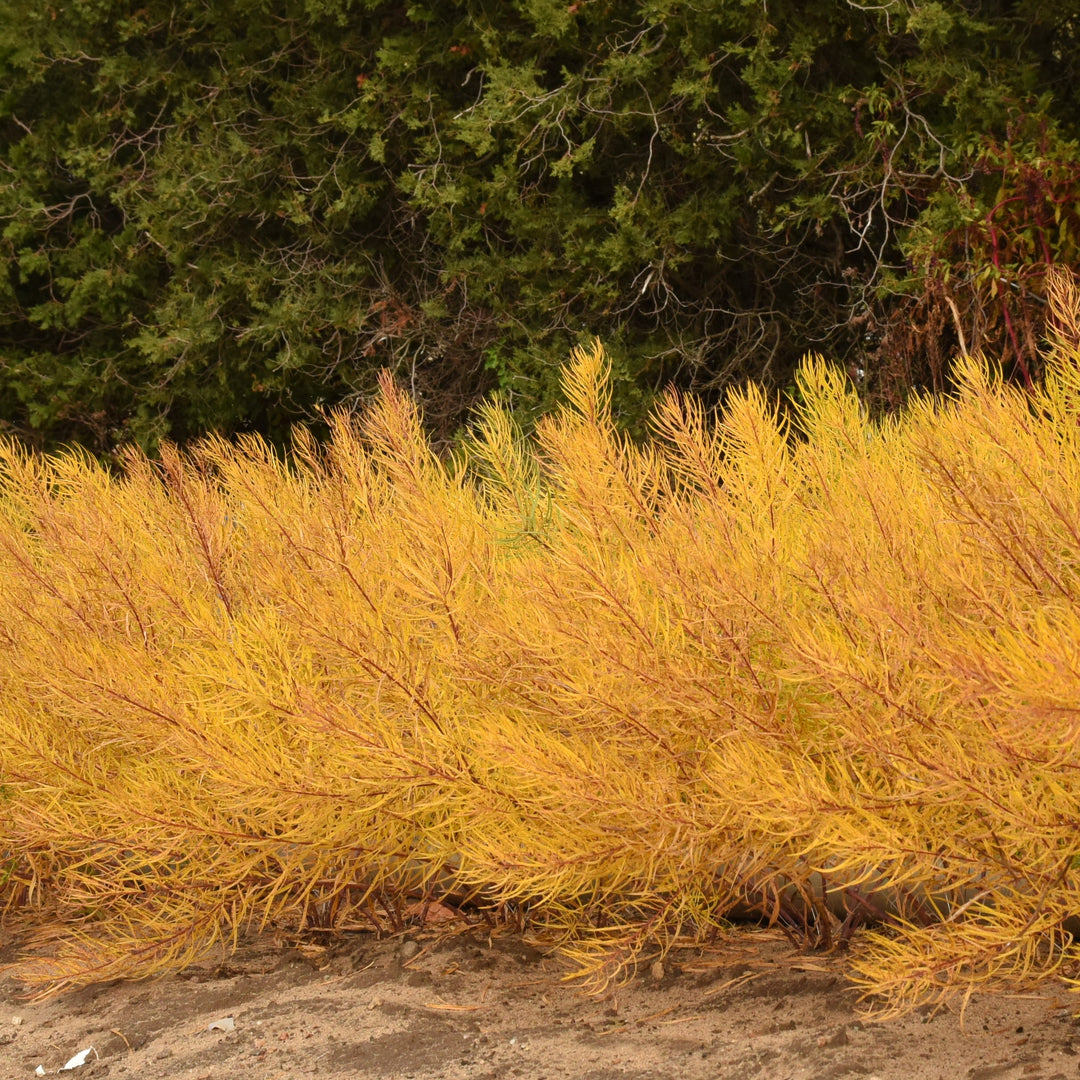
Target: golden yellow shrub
x,y
625,689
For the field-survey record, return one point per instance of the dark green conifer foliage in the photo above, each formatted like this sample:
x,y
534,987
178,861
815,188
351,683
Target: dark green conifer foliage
x,y
228,215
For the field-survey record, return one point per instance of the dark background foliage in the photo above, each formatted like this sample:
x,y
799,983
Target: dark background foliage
x,y
230,215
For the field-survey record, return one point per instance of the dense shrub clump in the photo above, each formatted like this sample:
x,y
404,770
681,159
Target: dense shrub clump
x,y
625,689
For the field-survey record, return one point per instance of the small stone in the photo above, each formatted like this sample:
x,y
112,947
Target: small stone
x,y
838,1038
657,970
16,1020
408,950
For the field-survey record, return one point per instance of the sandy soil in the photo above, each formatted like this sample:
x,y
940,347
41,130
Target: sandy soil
x,y
471,1006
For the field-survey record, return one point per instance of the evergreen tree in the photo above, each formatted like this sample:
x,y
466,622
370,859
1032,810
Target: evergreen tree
x,y
229,215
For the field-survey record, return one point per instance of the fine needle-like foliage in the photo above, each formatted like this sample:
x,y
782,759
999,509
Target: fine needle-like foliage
x,y
829,675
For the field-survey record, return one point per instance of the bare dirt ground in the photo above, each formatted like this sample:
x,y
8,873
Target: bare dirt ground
x,y
474,1006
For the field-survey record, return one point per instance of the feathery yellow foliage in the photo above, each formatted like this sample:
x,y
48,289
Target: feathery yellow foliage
x,y
627,689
